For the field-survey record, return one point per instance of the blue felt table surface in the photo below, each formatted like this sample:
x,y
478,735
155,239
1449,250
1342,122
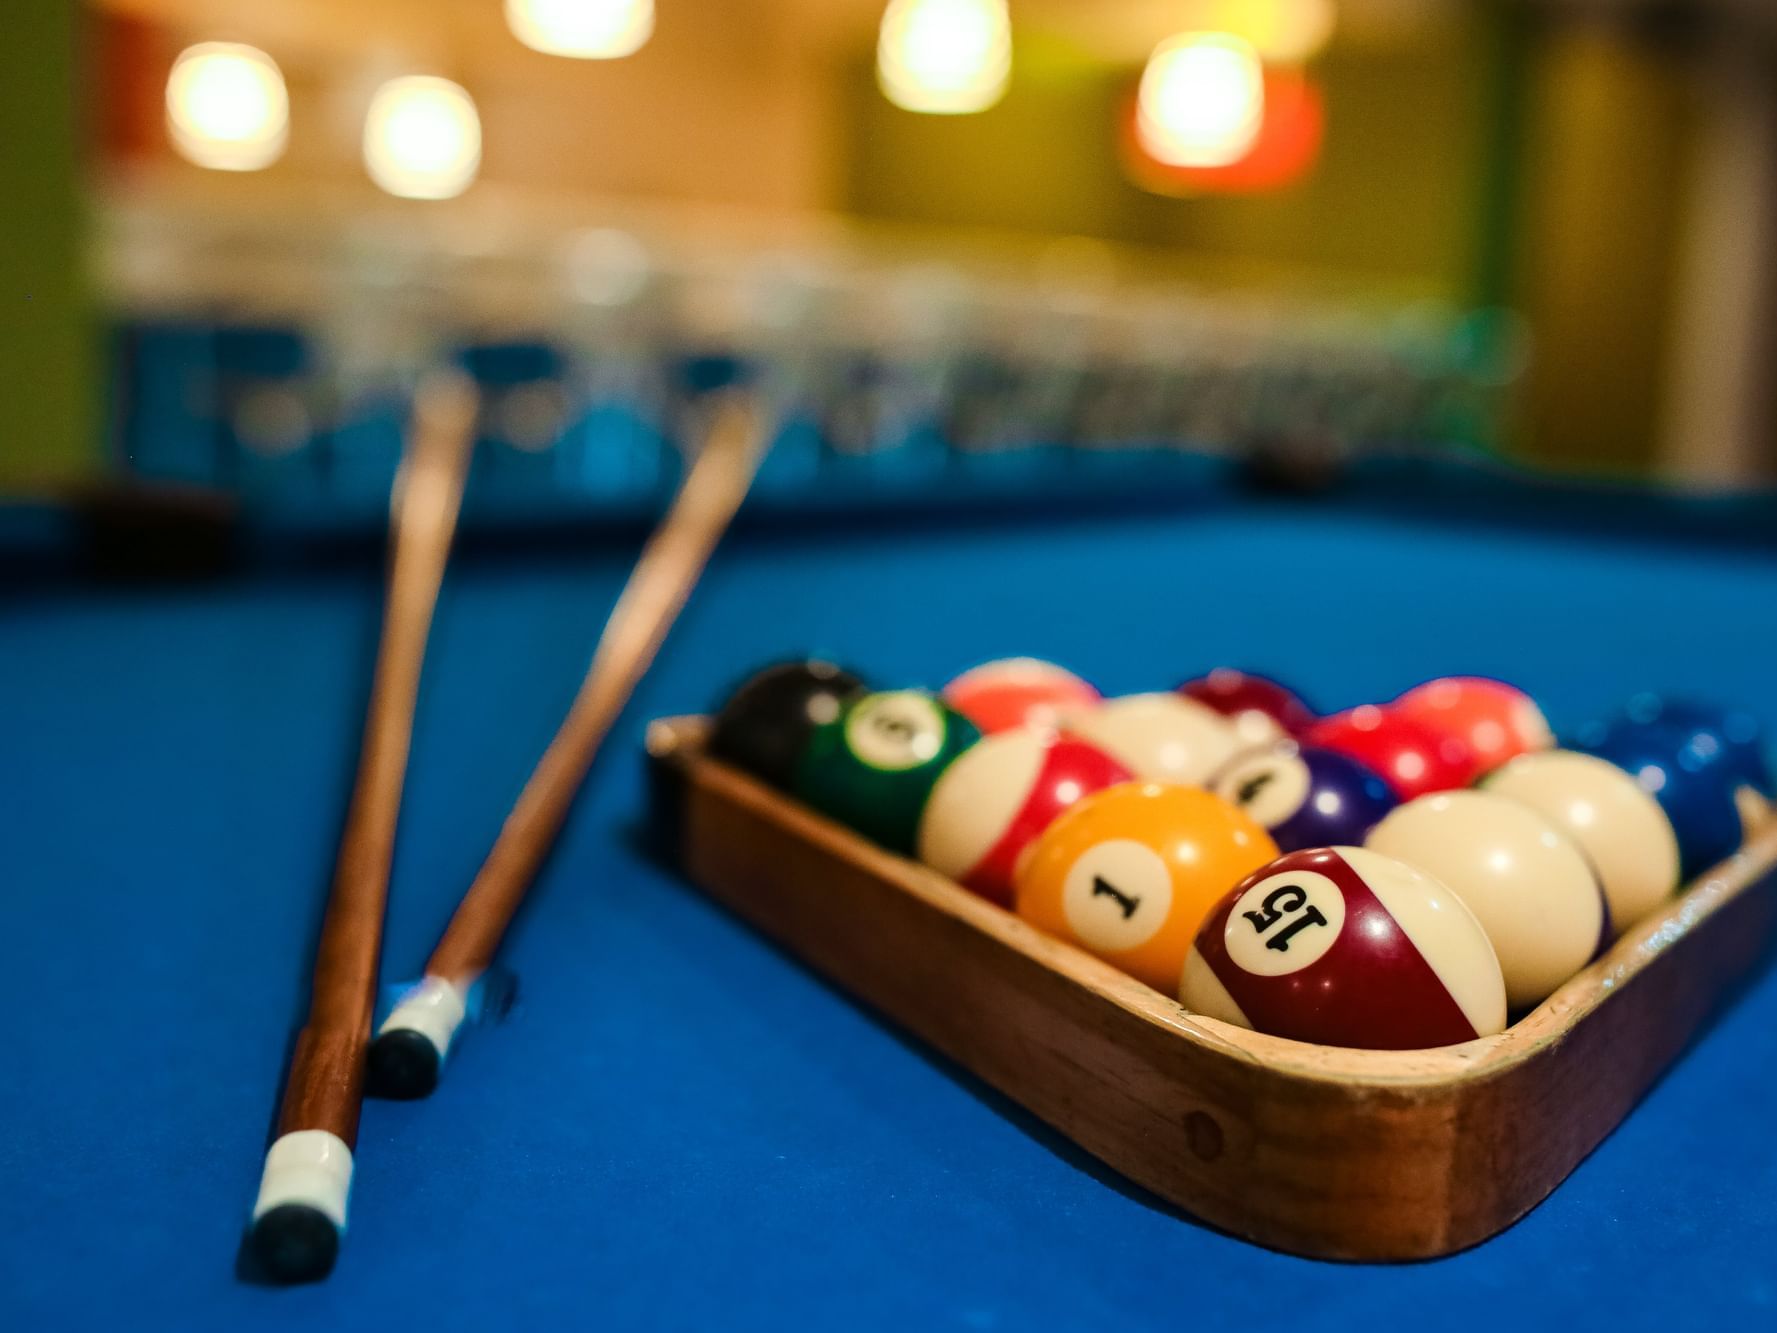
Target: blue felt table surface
x,y
678,1127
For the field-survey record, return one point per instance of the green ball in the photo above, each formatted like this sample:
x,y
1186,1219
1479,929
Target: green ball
x,y
873,766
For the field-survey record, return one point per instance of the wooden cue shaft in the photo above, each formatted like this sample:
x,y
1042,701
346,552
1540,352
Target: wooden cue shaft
x,y
325,1087
658,586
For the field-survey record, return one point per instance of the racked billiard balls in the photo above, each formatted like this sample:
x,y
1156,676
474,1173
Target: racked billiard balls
x,y
1408,755
1306,795
1698,794
1344,947
1260,708
1495,720
873,766
993,803
1530,887
1017,691
766,723
1160,737
1618,825
1129,873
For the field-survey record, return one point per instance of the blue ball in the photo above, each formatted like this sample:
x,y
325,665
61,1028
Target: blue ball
x,y
1695,789
1731,737
1306,795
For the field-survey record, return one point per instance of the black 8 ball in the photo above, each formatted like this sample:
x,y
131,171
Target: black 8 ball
x,y
765,725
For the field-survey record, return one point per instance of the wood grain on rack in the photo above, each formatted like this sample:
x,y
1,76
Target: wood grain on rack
x,y
1319,1151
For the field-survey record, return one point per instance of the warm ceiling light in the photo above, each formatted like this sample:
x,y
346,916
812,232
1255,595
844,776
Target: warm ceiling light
x,y
945,57
1285,31
422,138
1202,100
1285,150
227,108
585,29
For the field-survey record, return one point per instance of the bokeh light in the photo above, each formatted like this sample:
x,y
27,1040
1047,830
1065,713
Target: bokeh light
x,y
1202,100
1284,151
1285,31
945,57
583,29
422,138
227,108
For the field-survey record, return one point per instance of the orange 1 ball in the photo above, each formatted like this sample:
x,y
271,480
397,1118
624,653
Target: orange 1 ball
x,y
1495,720
1130,872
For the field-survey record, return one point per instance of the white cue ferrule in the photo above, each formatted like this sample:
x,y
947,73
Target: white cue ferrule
x,y
309,1166
435,1009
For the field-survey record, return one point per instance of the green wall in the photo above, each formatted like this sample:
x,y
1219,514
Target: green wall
x,y
1396,196
47,349
1605,166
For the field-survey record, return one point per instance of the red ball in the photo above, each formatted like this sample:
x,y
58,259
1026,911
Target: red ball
x,y
1411,757
1017,692
1495,720
999,795
1344,947
1260,707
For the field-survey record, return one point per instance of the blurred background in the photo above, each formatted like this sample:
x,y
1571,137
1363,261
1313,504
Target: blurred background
x,y
970,248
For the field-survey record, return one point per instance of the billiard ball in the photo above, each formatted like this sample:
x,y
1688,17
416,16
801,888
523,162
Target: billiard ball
x,y
993,803
1160,737
766,723
1305,795
1696,792
1128,873
1260,708
1733,735
1344,947
1618,825
1700,735
873,766
1495,720
1017,691
1410,757
1523,878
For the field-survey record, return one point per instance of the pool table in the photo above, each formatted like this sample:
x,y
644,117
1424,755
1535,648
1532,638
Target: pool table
x,y
677,1126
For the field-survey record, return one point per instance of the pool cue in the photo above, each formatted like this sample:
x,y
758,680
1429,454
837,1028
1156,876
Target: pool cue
x,y
408,1054
301,1209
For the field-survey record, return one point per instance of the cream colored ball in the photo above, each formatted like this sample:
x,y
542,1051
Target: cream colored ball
x,y
1162,737
1523,878
1617,824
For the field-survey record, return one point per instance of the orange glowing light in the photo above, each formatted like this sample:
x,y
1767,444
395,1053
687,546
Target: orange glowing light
x,y
1284,149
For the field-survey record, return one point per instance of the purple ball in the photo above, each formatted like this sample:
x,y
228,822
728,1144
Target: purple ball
x,y
1306,795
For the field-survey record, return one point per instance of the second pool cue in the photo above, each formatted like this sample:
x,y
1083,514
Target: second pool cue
x,y
301,1210
408,1053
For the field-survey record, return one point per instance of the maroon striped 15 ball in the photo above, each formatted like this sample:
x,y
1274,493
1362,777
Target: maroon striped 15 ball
x,y
1345,947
